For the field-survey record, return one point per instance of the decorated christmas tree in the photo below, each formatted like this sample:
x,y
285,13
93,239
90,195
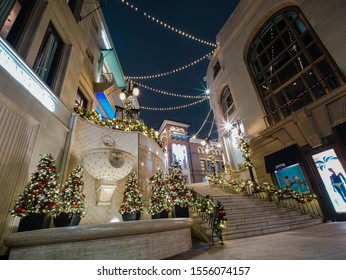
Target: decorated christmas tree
x,y
132,198
179,193
159,199
41,194
72,198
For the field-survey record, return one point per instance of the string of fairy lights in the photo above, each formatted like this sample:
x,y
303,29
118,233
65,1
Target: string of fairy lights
x,y
176,70
201,98
174,108
170,93
168,26
203,124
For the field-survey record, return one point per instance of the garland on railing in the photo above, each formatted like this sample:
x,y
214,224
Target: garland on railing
x,y
215,213
244,147
285,193
124,124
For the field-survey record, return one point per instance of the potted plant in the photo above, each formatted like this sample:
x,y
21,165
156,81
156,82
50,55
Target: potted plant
x,y
180,195
40,197
71,203
132,205
159,200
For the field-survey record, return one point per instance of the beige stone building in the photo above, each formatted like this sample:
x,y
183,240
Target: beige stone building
x,y
53,54
278,74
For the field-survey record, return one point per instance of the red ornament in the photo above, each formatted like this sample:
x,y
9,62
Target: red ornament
x,y
75,205
20,210
41,184
52,205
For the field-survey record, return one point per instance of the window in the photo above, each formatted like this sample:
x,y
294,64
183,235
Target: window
x,y
217,68
49,56
76,7
202,164
14,15
227,102
209,165
290,66
81,99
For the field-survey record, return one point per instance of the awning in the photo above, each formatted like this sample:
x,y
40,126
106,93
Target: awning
x,y
283,158
114,65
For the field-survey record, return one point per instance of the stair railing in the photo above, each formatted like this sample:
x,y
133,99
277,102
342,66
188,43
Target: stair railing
x,y
209,211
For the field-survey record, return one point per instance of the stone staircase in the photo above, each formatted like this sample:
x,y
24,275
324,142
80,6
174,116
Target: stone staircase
x,y
248,216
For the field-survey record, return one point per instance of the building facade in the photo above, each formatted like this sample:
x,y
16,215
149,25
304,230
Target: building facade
x,y
55,54
278,75
192,155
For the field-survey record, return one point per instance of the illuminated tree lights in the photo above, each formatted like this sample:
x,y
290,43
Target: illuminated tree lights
x,y
159,198
72,199
164,24
124,124
179,193
41,194
132,197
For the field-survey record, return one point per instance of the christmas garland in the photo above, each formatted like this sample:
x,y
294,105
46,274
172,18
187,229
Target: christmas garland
x,y
124,124
243,144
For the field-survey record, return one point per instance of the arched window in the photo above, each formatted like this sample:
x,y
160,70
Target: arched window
x,y
290,65
227,102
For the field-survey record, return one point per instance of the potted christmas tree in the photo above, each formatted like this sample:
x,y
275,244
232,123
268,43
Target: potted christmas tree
x,y
180,195
40,197
132,205
71,203
159,200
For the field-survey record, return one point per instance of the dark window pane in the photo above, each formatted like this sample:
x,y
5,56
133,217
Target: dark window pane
x,y
310,79
306,38
260,79
264,59
318,90
276,48
268,34
301,62
287,73
287,36
299,26
265,89
255,68
294,49
282,60
258,45
274,83
333,82
292,15
324,68
280,23
294,89
315,51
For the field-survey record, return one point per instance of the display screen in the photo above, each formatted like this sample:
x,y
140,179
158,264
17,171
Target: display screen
x,y
333,176
292,177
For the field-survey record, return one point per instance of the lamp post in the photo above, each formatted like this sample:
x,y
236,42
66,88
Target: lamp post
x,y
128,95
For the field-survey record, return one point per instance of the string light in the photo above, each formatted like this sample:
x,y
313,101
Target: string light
x,y
169,93
172,71
174,108
204,122
211,128
166,25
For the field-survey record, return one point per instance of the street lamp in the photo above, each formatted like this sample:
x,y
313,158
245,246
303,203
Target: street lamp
x,y
130,91
128,95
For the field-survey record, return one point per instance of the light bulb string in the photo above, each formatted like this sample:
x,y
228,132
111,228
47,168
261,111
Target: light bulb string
x,y
169,93
203,124
166,25
211,128
173,108
153,76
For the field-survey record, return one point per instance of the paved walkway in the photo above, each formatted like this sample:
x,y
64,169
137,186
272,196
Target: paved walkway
x,y
321,242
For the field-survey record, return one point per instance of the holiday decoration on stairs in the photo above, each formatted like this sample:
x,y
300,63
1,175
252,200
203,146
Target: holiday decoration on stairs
x,y
40,197
180,195
132,205
71,200
159,199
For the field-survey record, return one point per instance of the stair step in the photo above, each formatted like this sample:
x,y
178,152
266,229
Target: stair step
x,y
269,229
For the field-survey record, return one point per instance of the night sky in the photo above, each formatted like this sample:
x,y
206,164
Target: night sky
x,y
146,48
